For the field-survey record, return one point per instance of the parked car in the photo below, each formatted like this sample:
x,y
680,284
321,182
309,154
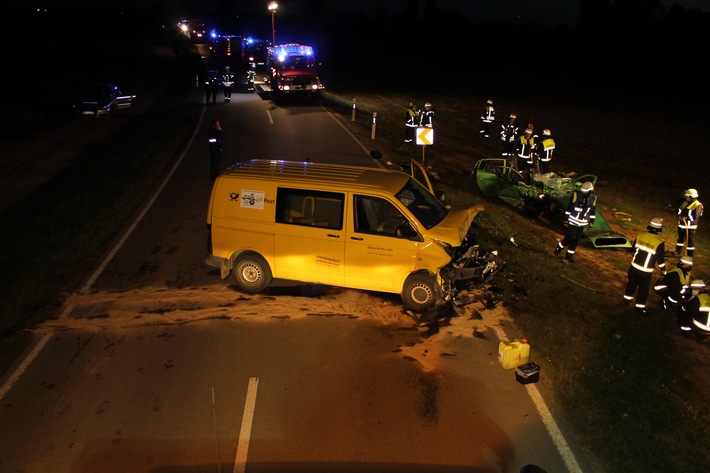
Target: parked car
x,y
104,99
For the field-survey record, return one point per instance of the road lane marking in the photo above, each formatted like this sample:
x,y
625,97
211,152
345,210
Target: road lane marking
x,y
271,119
240,461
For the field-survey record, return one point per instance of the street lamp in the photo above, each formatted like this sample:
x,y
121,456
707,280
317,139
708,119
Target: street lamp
x,y
272,8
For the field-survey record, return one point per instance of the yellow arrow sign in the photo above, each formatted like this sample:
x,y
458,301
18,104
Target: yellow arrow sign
x,y
425,136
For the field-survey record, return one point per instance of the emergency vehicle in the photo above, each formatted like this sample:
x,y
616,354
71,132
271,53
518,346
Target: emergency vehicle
x,y
294,71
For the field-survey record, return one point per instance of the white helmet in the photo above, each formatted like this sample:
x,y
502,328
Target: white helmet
x,y
512,115
529,131
691,194
697,284
587,187
656,222
546,132
489,102
428,104
687,260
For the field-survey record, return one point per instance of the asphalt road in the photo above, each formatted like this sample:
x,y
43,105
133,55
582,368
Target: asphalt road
x,y
158,365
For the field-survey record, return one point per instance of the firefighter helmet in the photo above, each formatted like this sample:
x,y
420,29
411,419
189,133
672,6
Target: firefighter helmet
x,y
656,223
687,260
587,187
697,284
691,194
546,132
489,102
428,104
512,115
529,131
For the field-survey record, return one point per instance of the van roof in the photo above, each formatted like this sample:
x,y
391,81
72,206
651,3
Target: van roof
x,y
330,175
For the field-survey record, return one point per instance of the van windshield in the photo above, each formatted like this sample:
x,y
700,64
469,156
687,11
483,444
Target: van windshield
x,y
425,207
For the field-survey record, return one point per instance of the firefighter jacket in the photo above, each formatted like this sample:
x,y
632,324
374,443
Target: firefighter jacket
x,y
525,148
214,138
689,212
509,132
411,117
228,79
649,251
426,118
489,114
545,149
581,209
673,285
699,309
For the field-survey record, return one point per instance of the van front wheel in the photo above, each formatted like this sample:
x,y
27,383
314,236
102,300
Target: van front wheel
x,y
419,292
252,272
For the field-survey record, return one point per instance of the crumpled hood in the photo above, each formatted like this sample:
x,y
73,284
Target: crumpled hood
x,y
455,225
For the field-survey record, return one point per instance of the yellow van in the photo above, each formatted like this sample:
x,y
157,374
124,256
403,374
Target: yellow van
x,y
358,227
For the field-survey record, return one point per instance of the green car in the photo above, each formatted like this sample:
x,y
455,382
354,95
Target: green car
x,y
541,194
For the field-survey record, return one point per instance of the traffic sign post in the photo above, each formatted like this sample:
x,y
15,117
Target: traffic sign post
x,y
425,137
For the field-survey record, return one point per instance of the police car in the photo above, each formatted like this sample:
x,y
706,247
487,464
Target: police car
x,y
104,99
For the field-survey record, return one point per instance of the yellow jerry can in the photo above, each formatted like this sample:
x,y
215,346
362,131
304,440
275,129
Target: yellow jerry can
x,y
513,354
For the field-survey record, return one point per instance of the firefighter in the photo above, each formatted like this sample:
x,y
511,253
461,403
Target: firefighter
x,y
672,287
227,82
689,212
524,151
411,122
694,315
251,77
487,117
544,151
426,116
649,252
579,215
214,144
509,136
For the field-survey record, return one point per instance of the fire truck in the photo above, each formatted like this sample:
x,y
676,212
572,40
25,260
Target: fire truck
x,y
294,71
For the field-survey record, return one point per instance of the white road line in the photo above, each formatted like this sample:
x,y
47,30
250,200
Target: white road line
x,y
546,416
555,433
271,119
240,461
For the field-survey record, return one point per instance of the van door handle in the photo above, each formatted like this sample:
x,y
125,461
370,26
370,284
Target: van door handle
x,y
356,238
332,235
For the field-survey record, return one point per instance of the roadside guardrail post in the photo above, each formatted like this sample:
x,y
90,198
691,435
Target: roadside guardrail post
x,y
374,125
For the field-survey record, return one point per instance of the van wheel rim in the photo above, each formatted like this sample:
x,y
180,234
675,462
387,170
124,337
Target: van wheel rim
x,y
421,294
251,274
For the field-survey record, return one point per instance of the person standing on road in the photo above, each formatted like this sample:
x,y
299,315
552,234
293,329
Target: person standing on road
x,y
214,144
689,212
251,77
649,252
426,116
544,151
509,136
411,122
227,82
673,286
694,315
580,214
487,117
211,85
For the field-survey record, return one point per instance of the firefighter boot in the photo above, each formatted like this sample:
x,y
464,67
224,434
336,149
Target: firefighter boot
x,y
558,249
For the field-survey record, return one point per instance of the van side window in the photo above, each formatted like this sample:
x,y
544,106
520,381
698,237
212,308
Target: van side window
x,y
375,215
310,208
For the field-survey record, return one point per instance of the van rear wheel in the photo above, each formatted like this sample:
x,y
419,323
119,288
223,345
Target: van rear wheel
x,y
252,273
419,292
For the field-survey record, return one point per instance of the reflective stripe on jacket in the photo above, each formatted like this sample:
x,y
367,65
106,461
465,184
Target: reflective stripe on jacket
x,y
650,250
